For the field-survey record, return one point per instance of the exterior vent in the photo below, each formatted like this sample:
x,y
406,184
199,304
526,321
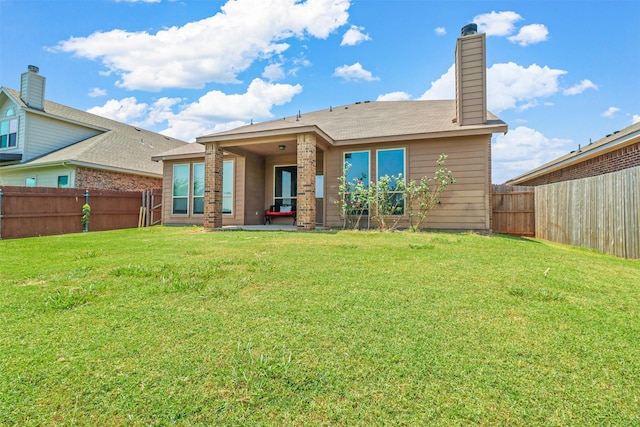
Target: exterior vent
x,y
469,30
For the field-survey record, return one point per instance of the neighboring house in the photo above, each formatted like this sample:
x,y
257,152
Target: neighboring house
x,y
617,151
231,178
46,144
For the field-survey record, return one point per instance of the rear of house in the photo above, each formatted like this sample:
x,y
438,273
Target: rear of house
x,y
235,176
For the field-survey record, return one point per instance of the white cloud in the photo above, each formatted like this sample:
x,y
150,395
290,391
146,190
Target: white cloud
x,y
580,87
394,96
126,110
635,118
213,112
209,50
610,113
444,87
354,36
509,86
440,31
497,23
523,149
273,72
354,72
96,91
530,34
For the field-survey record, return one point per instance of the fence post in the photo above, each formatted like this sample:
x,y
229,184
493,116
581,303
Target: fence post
x,y
86,202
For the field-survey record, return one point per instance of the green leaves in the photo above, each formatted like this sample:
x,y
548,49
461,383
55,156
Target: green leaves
x,y
391,199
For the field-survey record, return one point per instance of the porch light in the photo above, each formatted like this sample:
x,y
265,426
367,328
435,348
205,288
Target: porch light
x,y
281,147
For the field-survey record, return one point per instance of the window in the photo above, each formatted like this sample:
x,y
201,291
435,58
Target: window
x,y
391,163
227,187
356,165
63,181
180,190
286,185
30,182
319,186
8,133
198,189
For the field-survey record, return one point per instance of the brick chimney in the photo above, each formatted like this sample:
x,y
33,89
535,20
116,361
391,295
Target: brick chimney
x,y
471,77
32,88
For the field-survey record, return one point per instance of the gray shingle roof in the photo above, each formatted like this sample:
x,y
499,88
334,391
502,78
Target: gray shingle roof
x,y
371,120
120,146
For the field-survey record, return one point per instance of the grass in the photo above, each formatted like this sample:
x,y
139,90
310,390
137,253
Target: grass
x,y
176,326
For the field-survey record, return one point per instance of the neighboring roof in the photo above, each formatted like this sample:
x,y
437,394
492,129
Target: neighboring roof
x,y
119,147
368,122
183,152
627,136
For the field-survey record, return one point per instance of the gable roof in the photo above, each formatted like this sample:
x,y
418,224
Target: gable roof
x,y
627,136
368,122
119,146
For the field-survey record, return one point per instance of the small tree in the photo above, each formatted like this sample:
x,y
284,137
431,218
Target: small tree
x,y
387,200
424,195
86,212
353,200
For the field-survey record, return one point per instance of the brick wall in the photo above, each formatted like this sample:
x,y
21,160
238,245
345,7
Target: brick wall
x,y
306,203
107,180
620,159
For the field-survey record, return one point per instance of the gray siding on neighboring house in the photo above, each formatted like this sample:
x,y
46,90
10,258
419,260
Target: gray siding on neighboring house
x,y
20,115
44,135
45,177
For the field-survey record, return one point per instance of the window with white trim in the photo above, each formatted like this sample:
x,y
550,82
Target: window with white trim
x,y
391,162
357,171
9,133
180,191
227,187
197,204
63,181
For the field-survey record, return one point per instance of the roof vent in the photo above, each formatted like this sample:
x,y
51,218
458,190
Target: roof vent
x,y
469,30
33,69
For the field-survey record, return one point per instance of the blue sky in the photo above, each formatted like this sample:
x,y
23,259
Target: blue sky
x,y
560,73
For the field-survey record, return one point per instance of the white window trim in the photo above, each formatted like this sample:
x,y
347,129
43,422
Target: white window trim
x,y
189,191
192,194
233,186
344,160
404,168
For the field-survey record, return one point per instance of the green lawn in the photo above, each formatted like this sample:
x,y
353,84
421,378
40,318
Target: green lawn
x,y
166,326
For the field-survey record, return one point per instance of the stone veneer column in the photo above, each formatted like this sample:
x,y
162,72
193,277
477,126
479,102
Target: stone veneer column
x,y
306,204
212,186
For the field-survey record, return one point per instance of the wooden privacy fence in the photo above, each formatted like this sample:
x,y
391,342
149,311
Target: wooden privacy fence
x,y
601,213
41,211
513,210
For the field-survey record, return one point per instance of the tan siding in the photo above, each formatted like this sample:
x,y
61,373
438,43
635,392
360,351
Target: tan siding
x,y
464,204
470,80
254,189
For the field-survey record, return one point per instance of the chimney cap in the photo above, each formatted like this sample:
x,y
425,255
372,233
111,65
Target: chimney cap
x,y
469,30
33,68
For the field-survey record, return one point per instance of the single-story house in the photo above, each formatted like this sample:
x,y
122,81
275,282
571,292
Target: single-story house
x,y
233,177
46,144
617,151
